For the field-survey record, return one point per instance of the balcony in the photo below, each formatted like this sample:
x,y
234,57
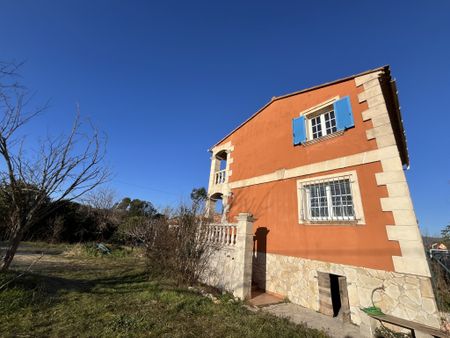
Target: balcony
x,y
219,173
220,176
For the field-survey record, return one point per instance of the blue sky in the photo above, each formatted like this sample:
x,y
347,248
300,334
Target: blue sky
x,y
166,80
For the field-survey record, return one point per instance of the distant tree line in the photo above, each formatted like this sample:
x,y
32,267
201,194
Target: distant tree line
x,y
97,218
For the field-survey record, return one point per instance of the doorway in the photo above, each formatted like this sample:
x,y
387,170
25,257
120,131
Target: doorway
x,y
333,296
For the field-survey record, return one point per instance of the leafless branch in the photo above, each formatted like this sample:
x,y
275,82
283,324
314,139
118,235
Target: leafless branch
x,y
63,168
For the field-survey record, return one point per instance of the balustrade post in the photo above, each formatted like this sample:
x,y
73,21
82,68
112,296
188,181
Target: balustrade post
x,y
244,247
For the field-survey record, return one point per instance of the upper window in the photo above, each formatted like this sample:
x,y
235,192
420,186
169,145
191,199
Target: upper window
x,y
334,198
321,125
324,119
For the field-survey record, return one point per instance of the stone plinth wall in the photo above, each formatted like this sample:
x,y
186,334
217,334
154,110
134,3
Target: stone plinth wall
x,y
229,265
406,296
222,267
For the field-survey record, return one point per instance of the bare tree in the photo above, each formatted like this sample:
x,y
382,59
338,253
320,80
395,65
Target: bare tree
x,y
103,198
102,202
62,168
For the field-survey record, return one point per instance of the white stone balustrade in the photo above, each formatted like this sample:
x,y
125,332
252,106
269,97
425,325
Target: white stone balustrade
x,y
222,234
220,176
230,264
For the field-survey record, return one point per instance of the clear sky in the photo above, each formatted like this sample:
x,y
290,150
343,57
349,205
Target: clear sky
x,y
165,80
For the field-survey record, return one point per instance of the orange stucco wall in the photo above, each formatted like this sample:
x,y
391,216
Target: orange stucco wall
x,y
264,145
275,207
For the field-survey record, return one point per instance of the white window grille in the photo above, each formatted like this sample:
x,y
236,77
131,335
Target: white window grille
x,y
323,124
328,200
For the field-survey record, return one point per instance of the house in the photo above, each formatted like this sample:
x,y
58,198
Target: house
x,y
321,171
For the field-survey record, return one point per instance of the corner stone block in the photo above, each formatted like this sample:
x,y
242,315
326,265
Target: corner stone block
x,y
375,101
377,111
405,218
391,164
407,233
380,120
366,78
368,93
382,130
412,248
390,177
386,141
371,83
396,203
398,189
412,266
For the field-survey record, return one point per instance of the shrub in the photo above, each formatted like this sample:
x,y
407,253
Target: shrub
x,y
174,244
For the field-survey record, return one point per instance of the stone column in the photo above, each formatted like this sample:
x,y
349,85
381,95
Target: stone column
x,y
244,245
215,166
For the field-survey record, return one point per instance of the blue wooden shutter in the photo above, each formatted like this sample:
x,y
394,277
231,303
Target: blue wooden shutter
x,y
298,127
344,114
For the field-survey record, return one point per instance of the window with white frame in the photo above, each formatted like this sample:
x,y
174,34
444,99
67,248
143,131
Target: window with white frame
x,y
322,124
331,117
328,199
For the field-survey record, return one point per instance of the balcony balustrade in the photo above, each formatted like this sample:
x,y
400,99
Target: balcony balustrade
x,y
220,176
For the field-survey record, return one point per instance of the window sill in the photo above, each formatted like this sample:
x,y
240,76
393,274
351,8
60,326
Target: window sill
x,y
323,138
332,222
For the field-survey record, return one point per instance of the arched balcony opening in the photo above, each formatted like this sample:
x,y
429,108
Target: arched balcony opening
x,y
221,167
216,207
